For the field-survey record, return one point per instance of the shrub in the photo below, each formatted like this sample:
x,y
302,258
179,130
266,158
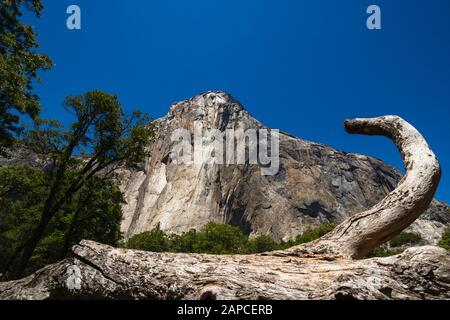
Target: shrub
x,y
155,241
406,238
314,234
383,252
263,244
187,242
396,245
445,240
219,238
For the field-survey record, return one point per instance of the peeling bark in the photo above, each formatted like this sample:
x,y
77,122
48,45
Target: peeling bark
x,y
323,269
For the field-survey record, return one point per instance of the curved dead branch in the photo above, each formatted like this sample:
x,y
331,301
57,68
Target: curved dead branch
x,y
361,233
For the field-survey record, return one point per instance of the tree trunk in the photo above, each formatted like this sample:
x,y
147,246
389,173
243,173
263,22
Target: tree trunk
x,y
17,269
69,234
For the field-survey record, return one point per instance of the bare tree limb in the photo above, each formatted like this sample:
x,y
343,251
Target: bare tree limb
x,y
359,234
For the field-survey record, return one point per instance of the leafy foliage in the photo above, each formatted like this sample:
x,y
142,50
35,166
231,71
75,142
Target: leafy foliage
x,y
263,244
216,238
406,238
445,240
22,193
155,241
314,234
101,132
19,65
19,207
384,252
396,245
101,139
220,239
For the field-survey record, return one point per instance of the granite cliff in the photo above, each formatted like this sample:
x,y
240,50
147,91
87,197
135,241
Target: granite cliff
x,y
314,183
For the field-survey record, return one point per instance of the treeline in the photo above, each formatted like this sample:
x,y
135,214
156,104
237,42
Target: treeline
x,y
216,238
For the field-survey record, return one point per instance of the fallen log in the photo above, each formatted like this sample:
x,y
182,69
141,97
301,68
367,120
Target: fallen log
x,y
324,269
101,272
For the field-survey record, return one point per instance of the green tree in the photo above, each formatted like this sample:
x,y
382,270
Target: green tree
x,y
185,242
100,140
94,213
263,244
445,240
19,66
216,238
23,190
155,241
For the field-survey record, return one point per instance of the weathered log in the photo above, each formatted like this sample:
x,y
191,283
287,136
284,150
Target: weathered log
x,y
98,271
323,269
360,233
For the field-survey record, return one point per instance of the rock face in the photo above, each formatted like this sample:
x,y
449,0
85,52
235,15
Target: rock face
x,y
314,183
101,272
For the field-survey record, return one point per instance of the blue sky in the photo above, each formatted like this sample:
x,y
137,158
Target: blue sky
x,y
300,66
